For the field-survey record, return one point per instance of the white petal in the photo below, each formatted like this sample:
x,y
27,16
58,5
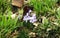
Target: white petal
x,y
30,11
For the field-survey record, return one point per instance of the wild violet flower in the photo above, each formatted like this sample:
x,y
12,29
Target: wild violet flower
x,y
32,18
26,18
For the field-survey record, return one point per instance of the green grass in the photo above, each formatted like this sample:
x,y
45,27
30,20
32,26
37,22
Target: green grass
x,y
6,23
